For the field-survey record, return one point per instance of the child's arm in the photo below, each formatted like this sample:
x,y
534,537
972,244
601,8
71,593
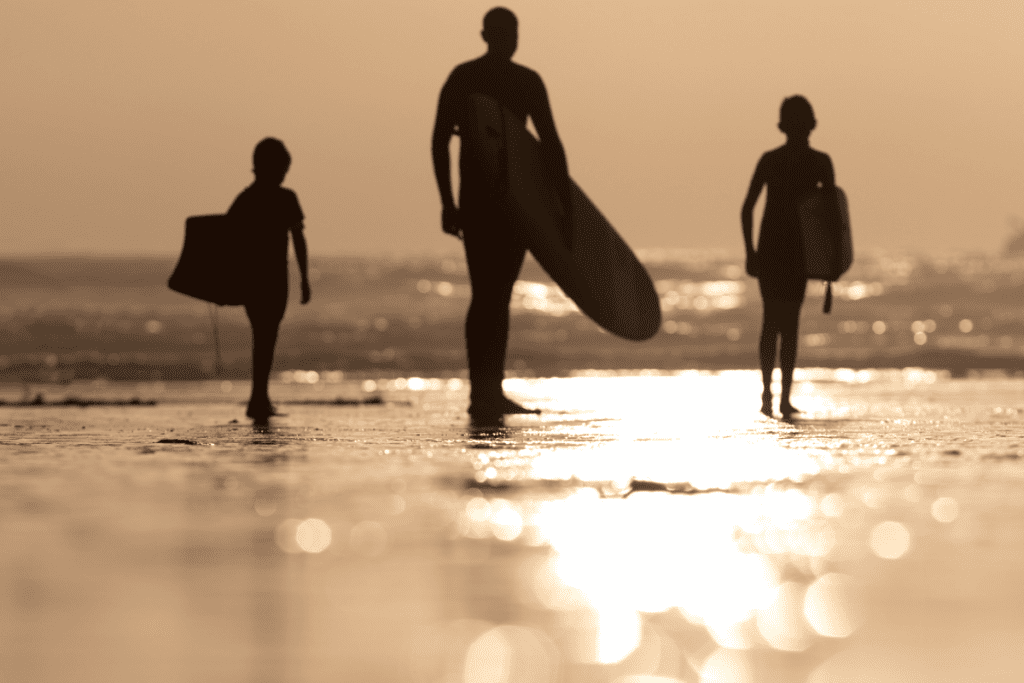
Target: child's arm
x,y
299,239
747,217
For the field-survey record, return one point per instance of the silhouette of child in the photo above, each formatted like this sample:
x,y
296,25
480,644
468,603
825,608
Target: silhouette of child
x,y
790,172
265,213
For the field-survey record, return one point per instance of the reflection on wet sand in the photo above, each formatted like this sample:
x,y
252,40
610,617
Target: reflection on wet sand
x,y
643,529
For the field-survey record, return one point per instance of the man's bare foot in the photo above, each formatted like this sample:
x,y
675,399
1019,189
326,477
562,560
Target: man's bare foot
x,y
510,407
490,411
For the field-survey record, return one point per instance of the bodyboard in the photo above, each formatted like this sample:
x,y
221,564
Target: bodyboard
x,y
210,264
828,245
579,249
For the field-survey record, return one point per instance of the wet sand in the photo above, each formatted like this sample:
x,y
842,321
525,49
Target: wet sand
x,y
642,529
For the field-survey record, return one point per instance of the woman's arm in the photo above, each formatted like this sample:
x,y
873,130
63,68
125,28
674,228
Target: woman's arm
x,y
299,239
747,217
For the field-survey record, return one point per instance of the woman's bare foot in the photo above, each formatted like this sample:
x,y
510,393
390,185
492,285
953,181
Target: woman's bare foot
x,y
787,409
766,403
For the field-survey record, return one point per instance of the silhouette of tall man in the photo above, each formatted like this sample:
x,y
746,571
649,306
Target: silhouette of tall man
x,y
494,252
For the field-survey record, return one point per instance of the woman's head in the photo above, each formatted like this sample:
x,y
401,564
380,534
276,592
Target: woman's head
x,y
796,118
270,160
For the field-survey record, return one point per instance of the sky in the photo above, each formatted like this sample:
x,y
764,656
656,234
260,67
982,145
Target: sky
x,y
123,118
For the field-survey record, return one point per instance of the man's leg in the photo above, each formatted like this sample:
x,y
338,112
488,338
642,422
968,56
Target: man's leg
x,y
494,257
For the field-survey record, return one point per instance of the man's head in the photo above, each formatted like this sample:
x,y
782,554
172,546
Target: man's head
x,y
501,32
796,118
270,161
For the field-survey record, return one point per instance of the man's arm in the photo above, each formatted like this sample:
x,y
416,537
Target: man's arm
x,y
554,156
444,128
299,239
544,122
747,217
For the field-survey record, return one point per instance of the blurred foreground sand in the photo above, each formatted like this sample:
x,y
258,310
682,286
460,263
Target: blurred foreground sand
x,y
642,529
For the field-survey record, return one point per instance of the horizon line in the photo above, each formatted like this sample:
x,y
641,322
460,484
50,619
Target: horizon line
x,y
643,253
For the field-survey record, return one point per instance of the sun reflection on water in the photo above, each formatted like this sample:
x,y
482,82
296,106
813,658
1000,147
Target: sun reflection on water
x,y
750,559
664,430
617,559
660,497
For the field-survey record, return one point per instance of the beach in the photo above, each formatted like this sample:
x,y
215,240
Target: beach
x,y
646,514
646,527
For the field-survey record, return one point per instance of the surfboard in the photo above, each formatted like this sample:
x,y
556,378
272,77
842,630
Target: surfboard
x,y
828,244
209,266
578,248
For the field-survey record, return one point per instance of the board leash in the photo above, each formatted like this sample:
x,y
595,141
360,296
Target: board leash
x,y
218,366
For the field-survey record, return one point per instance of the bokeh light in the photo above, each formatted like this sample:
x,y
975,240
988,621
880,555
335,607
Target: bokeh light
x,y
489,659
313,535
889,540
618,633
782,623
945,510
832,505
830,606
510,654
727,666
506,523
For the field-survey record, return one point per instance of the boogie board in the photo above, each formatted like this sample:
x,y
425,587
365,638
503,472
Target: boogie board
x,y
579,249
828,245
209,267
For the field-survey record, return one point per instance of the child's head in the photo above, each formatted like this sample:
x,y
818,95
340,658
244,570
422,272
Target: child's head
x,y
796,118
270,160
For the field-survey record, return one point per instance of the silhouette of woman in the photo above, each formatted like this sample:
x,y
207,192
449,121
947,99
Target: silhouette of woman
x,y
790,172
265,213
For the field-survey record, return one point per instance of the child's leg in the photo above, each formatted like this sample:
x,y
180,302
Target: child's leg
x,y
769,336
265,321
789,325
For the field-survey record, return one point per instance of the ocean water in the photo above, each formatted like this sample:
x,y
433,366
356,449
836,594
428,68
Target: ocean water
x,y
647,527
66,320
